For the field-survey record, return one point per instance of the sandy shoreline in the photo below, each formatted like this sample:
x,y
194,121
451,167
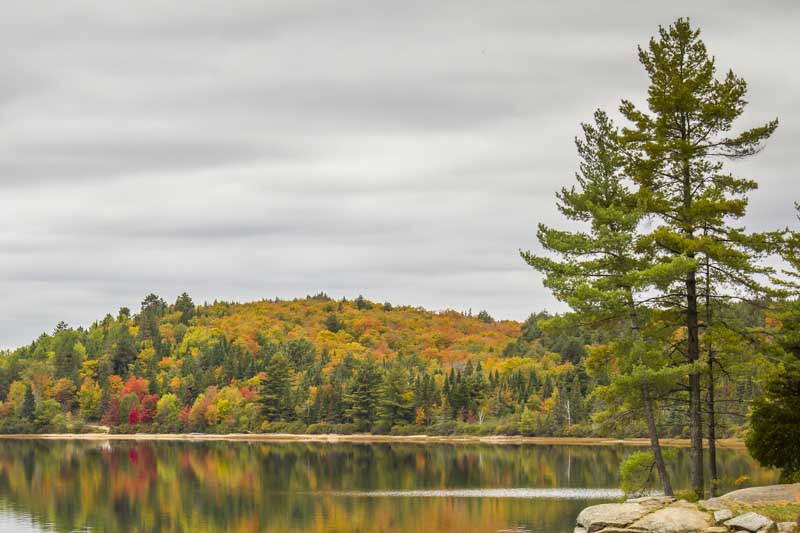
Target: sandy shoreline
x,y
366,438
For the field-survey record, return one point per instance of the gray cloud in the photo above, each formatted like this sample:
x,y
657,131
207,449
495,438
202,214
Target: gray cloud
x,y
405,151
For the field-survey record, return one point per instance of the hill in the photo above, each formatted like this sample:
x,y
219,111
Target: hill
x,y
310,364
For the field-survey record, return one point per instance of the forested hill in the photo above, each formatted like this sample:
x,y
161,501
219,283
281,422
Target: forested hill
x,y
312,364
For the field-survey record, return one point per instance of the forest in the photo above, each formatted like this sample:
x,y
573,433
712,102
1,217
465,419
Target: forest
x,y
681,323
316,365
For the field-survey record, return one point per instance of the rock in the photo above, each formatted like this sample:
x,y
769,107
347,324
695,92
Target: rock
x,y
653,503
751,522
674,519
579,529
714,504
716,529
722,515
770,493
684,504
605,515
787,527
661,500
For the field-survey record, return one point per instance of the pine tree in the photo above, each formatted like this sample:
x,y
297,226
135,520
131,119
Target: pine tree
x,y
674,152
275,389
599,272
774,439
28,404
362,396
396,404
185,306
123,349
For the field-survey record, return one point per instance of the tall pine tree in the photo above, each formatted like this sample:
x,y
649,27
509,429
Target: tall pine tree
x,y
675,151
599,272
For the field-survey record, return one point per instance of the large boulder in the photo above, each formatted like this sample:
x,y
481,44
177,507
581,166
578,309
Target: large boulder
x,y
674,519
751,522
605,515
770,493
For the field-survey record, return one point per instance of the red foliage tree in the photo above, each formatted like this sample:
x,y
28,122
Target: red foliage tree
x,y
133,417
138,386
148,408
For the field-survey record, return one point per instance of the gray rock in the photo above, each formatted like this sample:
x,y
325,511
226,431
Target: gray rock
x,y
787,527
750,522
684,504
722,515
579,529
653,503
714,504
770,493
661,500
674,519
618,515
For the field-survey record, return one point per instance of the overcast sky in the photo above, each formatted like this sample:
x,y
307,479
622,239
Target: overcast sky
x,y
402,150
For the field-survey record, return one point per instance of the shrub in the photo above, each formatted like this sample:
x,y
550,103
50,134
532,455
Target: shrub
x,y
319,428
687,494
295,428
407,429
443,428
345,429
507,427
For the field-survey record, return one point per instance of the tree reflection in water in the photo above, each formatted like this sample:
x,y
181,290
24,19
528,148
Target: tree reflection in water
x,y
250,487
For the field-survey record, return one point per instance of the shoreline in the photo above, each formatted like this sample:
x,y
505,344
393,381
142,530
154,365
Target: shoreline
x,y
734,444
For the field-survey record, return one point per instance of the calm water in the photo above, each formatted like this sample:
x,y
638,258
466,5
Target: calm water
x,y
252,487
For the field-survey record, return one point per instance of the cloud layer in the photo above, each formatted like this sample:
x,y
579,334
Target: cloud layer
x,y
405,151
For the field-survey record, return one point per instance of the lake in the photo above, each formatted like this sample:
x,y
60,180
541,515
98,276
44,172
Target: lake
x,y
125,486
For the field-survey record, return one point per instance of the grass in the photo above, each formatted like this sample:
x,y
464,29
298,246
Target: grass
x,y
779,512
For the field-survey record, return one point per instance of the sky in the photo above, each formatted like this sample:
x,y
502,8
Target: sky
x,y
405,151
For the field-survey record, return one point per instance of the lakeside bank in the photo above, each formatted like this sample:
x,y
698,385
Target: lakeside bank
x,y
733,444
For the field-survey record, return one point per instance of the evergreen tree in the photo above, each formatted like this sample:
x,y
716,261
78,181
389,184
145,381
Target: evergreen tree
x,y
275,389
674,152
599,272
362,396
774,439
396,404
185,306
148,320
67,357
123,348
28,404
333,324
301,353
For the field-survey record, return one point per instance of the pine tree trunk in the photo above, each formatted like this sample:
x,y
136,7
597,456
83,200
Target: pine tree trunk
x,y
712,417
712,428
655,445
695,417
649,413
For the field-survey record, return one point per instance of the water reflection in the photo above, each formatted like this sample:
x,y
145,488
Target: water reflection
x,y
322,487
